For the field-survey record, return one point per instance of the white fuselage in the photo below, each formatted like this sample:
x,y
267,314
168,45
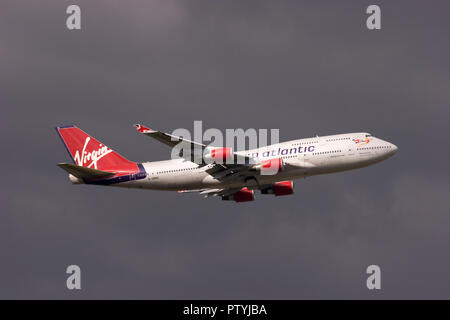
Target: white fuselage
x,y
303,158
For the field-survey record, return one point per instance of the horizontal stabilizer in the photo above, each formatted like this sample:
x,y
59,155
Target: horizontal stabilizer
x,y
84,172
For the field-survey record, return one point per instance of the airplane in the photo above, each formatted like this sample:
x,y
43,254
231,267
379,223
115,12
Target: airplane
x,y
229,175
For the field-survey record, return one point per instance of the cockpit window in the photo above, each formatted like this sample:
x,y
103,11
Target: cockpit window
x,y
368,135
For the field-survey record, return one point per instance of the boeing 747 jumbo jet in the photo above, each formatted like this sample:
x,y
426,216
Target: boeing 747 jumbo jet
x,y
230,175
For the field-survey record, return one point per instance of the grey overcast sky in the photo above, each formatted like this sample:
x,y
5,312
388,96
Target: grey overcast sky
x,y
305,67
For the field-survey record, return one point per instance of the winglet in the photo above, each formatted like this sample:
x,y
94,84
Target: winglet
x,y
142,129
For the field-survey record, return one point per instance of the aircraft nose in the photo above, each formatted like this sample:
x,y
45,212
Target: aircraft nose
x,y
394,148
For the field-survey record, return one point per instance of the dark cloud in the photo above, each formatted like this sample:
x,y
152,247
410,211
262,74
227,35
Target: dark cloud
x,y
306,68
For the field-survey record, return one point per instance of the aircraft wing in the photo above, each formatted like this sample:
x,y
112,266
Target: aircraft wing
x,y
212,192
172,141
165,138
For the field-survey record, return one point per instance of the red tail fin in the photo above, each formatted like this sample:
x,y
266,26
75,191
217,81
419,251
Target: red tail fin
x,y
88,152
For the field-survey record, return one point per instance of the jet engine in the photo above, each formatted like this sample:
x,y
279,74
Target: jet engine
x,y
220,155
242,195
281,188
270,167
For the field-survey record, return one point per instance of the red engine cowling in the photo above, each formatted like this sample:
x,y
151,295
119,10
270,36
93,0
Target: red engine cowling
x,y
220,155
282,188
271,166
242,195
